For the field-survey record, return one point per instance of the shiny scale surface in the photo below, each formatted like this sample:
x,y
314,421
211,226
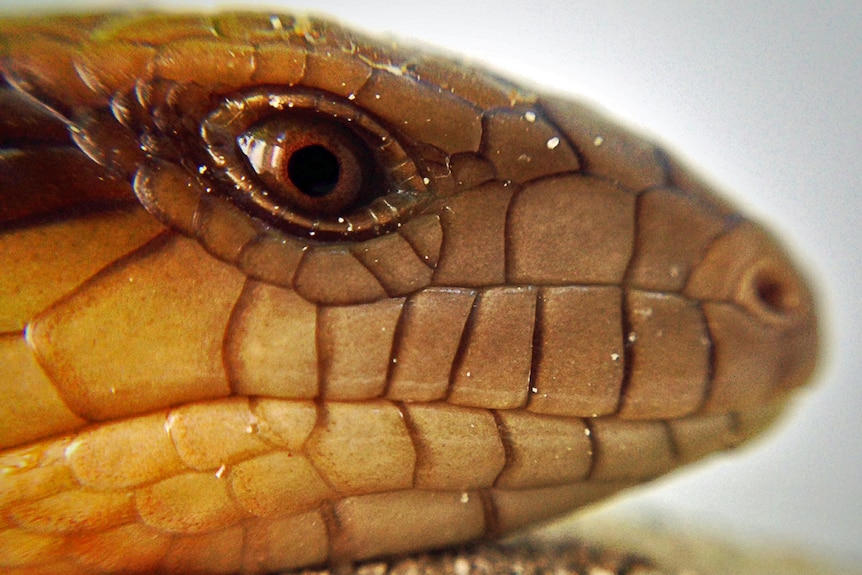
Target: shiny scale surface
x,y
502,306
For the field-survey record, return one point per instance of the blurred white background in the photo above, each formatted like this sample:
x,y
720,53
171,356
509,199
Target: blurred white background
x,y
765,98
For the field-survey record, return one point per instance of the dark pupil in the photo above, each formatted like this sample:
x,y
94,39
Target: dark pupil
x,y
314,170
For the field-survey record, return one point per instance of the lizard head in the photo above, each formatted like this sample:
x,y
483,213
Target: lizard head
x,y
337,280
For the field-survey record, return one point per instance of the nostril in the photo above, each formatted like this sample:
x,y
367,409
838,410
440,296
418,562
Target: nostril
x,y
776,290
772,294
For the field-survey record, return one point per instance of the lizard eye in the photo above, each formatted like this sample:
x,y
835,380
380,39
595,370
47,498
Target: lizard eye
x,y
312,165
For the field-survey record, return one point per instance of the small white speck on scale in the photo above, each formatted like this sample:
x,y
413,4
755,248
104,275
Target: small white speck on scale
x,y
643,312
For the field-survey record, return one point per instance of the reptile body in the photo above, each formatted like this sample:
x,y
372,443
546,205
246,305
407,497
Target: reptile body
x,y
276,295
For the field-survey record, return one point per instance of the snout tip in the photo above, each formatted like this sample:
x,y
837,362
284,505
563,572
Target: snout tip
x,y
762,316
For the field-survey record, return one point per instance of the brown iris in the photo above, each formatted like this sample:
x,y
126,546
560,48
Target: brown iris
x,y
312,164
318,166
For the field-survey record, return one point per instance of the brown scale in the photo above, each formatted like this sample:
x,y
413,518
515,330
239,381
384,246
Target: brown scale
x,y
479,308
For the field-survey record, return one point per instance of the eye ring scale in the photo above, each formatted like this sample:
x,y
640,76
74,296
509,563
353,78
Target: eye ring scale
x,y
336,181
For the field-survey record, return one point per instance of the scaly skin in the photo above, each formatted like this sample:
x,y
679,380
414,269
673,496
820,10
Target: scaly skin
x,y
498,307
